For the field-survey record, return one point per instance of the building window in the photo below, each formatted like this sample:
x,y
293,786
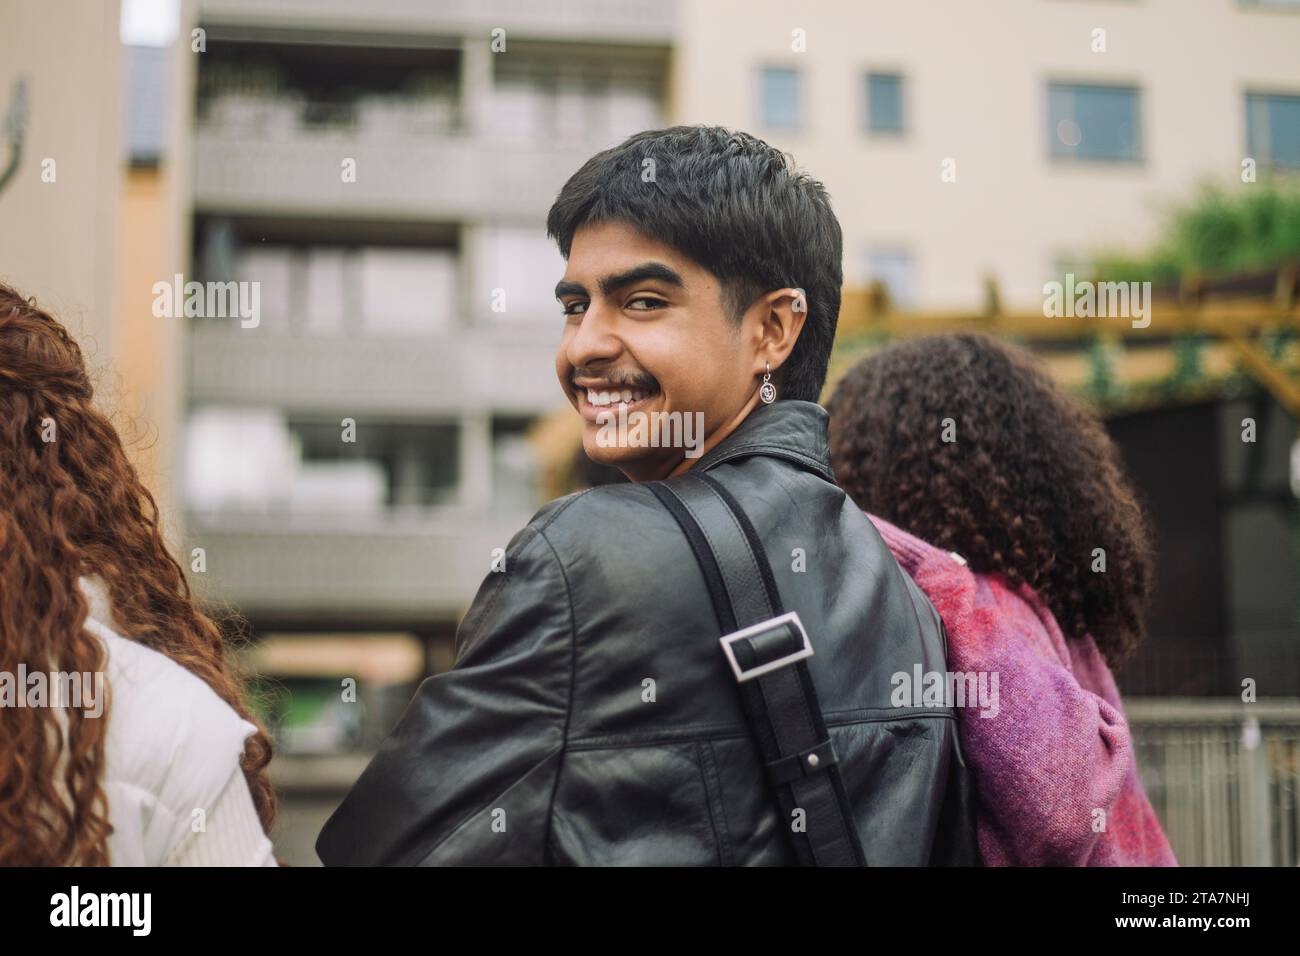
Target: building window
x,y
895,269
344,290
779,89
514,465
884,103
1094,122
596,101
261,461
387,465
523,264
1273,129
406,291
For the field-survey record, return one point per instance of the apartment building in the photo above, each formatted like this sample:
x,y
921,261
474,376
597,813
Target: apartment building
x,y
383,173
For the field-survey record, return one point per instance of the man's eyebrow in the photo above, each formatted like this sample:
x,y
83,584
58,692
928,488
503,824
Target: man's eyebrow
x,y
655,271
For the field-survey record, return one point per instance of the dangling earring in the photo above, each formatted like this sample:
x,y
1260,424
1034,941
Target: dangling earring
x,y
767,391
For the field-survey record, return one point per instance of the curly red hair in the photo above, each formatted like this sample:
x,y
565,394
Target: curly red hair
x,y
70,507
1029,489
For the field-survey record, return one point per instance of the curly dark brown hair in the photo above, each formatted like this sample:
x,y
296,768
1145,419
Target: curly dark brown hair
x,y
1030,486
71,507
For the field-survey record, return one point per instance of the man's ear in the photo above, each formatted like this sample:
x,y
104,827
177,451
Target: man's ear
x,y
784,313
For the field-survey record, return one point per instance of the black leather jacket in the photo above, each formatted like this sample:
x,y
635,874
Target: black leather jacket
x,y
546,743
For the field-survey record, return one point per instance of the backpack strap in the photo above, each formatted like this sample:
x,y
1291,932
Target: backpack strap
x,y
767,650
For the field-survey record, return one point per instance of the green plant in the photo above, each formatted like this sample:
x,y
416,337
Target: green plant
x,y
1249,228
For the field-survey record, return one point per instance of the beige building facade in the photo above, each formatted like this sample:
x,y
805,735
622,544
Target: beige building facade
x,y
1007,138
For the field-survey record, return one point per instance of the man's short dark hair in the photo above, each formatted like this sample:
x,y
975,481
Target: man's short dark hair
x,y
735,205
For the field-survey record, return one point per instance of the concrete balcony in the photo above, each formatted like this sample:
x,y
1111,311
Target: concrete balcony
x,y
408,570
633,21
504,370
447,176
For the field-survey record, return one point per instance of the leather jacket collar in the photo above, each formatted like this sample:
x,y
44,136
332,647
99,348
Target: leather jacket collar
x,y
789,429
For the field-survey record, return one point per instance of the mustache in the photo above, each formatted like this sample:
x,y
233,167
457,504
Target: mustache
x,y
617,379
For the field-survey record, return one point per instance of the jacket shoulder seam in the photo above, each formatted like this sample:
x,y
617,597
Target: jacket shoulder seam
x,y
531,533
550,518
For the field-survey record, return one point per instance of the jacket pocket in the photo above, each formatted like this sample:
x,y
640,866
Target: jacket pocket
x,y
650,805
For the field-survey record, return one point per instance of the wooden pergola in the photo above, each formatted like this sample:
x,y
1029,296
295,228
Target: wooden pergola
x,y
1239,323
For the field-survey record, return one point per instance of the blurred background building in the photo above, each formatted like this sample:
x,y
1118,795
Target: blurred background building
x,y
338,476
59,172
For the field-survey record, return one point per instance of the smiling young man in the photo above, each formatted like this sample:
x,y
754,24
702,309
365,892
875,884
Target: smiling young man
x,y
594,715
651,336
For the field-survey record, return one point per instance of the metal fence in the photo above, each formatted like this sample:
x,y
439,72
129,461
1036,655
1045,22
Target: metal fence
x,y
1223,777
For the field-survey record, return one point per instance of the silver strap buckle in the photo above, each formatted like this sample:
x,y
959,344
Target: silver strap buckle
x,y
791,617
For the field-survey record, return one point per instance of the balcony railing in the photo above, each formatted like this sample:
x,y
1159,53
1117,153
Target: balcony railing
x,y
403,567
449,176
505,370
285,116
620,20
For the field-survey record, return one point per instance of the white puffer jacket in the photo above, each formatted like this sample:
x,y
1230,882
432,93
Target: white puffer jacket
x,y
176,793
